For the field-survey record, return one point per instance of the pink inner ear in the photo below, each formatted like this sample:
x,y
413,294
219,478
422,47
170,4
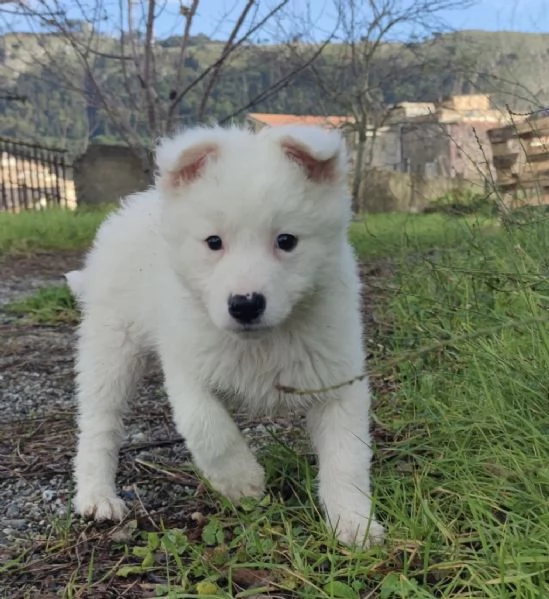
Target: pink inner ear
x,y
191,163
315,169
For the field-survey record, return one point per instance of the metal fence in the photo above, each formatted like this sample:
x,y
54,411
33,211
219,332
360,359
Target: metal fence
x,y
33,177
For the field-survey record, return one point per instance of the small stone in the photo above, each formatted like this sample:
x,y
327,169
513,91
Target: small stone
x,y
128,494
12,511
48,495
16,523
124,534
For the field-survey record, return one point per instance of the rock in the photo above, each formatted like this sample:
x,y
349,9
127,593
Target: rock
x,y
48,495
16,523
12,511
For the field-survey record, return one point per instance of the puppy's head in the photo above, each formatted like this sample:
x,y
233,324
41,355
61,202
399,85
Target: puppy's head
x,y
254,222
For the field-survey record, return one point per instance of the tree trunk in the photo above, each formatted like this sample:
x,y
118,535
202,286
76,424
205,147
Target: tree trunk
x,y
358,170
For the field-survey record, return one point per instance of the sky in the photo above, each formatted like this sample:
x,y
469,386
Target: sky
x,y
491,15
496,15
216,17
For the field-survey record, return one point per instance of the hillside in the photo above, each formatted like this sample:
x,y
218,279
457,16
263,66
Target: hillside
x,y
62,107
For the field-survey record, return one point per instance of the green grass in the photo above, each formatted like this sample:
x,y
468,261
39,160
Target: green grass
x,y
465,478
28,232
274,545
461,471
384,235
375,236
48,305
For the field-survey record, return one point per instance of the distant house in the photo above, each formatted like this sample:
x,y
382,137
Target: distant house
x,y
385,141
383,146
408,110
451,141
429,139
258,120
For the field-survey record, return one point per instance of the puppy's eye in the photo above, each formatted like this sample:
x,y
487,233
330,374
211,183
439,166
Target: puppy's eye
x,y
286,242
214,243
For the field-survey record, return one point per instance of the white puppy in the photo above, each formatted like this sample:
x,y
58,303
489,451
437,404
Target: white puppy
x,y
236,270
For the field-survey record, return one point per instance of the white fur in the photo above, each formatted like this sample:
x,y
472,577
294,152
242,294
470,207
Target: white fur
x,y
150,284
75,281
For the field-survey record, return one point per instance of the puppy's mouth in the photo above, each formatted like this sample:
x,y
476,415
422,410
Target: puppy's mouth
x,y
251,331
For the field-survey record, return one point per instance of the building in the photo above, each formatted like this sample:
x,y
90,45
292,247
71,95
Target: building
x,y
446,139
258,120
452,141
384,144
404,111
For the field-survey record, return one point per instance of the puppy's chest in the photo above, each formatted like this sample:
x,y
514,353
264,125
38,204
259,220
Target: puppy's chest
x,y
259,375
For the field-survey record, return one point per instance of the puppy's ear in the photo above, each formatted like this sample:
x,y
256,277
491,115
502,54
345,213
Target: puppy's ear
x,y
191,163
320,153
183,159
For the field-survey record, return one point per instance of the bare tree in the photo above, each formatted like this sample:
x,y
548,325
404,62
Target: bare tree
x,y
142,84
373,33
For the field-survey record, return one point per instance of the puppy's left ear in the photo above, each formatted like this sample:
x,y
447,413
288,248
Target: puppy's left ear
x,y
320,153
183,159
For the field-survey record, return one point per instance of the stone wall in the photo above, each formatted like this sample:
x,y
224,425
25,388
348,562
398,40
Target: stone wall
x,y
384,191
105,174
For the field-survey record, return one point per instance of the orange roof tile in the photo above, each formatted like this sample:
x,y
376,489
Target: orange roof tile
x,y
274,120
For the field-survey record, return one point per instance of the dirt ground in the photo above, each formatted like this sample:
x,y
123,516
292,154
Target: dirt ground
x,y
37,442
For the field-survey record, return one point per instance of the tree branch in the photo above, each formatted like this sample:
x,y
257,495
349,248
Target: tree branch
x,y
224,57
226,51
281,84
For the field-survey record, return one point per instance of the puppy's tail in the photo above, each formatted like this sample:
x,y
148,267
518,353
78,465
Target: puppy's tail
x,y
75,281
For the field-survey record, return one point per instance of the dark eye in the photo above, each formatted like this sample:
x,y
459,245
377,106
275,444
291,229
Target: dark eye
x,y
286,242
214,243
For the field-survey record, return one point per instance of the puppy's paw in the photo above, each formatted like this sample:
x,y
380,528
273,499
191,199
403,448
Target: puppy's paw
x,y
355,530
100,506
238,479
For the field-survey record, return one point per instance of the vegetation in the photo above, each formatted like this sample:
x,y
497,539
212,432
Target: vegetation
x,y
374,236
49,230
48,305
464,201
389,235
509,65
459,367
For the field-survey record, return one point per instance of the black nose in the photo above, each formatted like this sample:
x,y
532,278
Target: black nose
x,y
247,308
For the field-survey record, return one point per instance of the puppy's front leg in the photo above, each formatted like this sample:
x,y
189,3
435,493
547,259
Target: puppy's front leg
x,y
108,368
217,446
339,431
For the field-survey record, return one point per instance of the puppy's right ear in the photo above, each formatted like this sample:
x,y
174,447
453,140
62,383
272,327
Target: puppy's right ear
x,y
183,159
